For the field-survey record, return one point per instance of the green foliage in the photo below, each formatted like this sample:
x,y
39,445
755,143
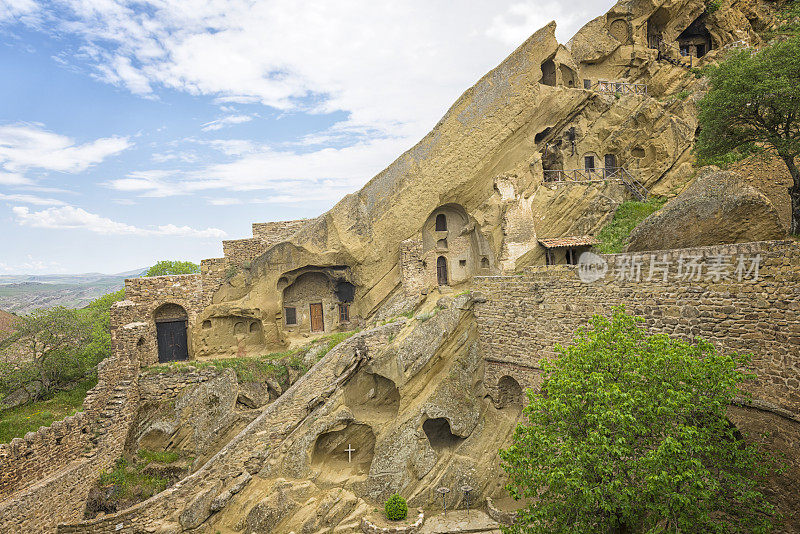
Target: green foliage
x,y
16,422
396,508
131,482
789,16
230,272
713,5
422,317
753,99
166,267
683,95
734,156
614,235
629,434
162,457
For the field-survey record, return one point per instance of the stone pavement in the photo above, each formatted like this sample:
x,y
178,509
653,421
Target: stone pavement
x,y
460,521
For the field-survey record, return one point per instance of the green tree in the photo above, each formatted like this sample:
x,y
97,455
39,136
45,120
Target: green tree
x,y
629,435
166,267
54,340
754,100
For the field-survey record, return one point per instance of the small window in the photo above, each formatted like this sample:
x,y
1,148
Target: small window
x,y
441,223
441,244
588,163
254,328
290,316
206,324
239,328
462,263
484,263
344,312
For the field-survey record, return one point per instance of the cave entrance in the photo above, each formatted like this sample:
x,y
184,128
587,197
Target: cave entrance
x,y
548,73
509,394
439,434
332,459
372,397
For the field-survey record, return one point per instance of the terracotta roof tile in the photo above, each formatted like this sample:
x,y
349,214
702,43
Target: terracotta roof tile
x,y
569,241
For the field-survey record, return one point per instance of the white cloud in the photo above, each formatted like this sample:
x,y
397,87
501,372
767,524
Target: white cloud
x,y
30,146
10,9
31,199
392,67
70,217
225,121
322,174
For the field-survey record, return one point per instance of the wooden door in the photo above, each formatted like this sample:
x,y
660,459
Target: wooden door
x,y
317,322
441,270
172,341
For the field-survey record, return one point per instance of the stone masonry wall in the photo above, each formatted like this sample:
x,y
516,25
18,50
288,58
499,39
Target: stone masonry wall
x,y
49,484
240,252
526,315
412,272
159,388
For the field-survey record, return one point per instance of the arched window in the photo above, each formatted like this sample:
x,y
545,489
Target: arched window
x,y
441,270
441,223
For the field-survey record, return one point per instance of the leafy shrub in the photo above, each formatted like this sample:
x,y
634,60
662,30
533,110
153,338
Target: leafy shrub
x,y
396,508
614,236
167,267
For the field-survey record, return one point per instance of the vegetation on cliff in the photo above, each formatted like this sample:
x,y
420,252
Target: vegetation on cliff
x,y
753,102
630,434
614,236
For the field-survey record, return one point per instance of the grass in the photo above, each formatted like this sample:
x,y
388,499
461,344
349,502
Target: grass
x,y
275,365
16,422
614,235
130,482
162,457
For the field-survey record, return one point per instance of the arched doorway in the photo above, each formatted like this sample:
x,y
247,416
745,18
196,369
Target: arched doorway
x,y
171,333
441,270
509,394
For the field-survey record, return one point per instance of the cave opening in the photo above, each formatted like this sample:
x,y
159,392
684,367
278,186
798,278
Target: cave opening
x,y
439,434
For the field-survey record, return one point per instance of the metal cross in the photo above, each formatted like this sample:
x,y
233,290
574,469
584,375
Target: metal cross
x,y
349,450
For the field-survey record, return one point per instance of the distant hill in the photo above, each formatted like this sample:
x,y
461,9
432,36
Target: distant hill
x,y
20,294
6,323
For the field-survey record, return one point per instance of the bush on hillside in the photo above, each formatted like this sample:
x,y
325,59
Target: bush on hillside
x,y
396,508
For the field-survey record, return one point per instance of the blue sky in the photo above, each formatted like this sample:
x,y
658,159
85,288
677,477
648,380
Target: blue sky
x,y
137,131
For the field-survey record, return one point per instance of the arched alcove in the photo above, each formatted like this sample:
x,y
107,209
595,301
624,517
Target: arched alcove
x,y
372,396
343,452
548,73
439,434
619,29
509,394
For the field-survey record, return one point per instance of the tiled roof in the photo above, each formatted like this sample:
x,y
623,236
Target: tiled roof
x,y
569,241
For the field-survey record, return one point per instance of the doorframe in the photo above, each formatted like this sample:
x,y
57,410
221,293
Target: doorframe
x,y
185,323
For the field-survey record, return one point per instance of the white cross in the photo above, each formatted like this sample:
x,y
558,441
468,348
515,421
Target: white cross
x,y
349,450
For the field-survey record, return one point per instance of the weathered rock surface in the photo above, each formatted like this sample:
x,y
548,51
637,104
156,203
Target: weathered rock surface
x,y
718,207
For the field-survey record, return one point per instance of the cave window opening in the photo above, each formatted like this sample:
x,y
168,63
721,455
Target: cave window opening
x,y
462,263
439,434
441,244
588,163
484,262
254,328
548,73
441,223
206,324
290,316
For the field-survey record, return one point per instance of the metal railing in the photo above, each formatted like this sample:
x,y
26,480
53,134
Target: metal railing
x,y
670,52
596,175
624,88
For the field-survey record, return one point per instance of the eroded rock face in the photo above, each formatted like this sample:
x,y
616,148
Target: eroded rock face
x,y
718,207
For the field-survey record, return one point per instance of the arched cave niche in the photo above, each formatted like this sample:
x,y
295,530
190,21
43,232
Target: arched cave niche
x,y
539,137
656,24
568,76
509,394
548,73
695,40
439,434
330,455
619,29
371,396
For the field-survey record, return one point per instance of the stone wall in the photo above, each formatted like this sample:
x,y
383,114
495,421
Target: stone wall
x,y
158,388
49,483
143,298
526,315
240,252
274,232
412,270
